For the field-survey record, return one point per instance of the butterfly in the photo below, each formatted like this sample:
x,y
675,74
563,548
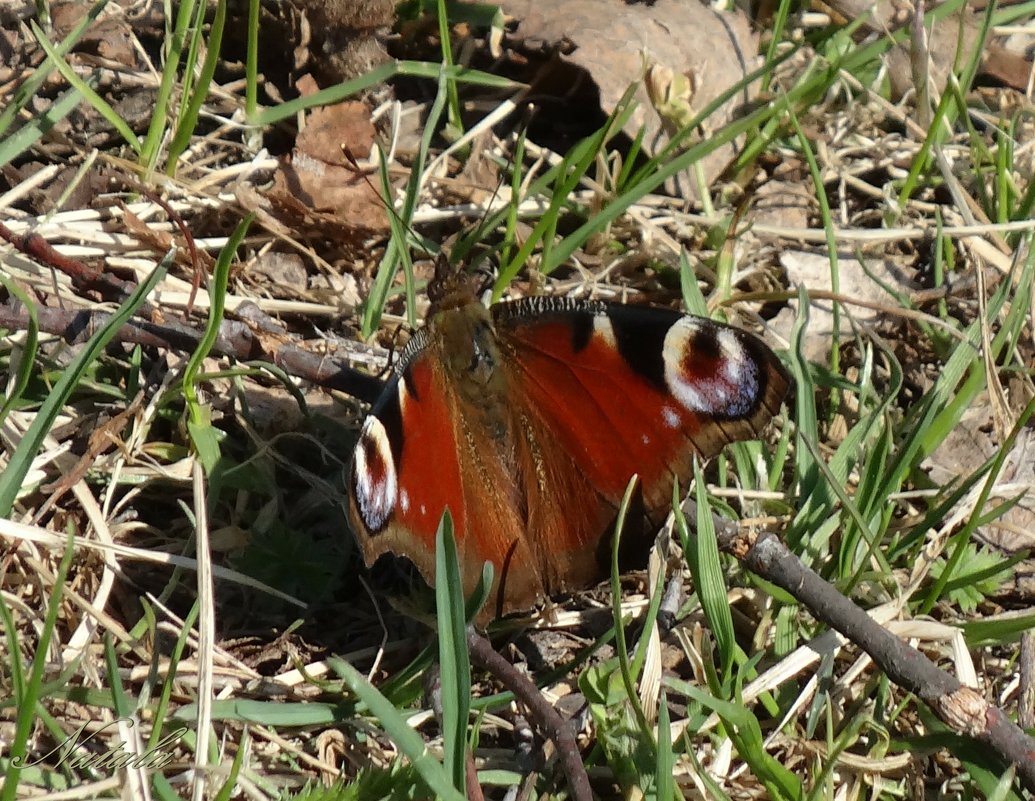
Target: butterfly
x,y
527,420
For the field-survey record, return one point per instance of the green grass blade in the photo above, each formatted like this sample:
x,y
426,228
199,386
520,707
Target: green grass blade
x,y
99,103
226,791
18,467
173,54
454,661
706,568
30,133
189,119
28,88
385,72
746,734
405,738
963,538
625,667
120,701
17,673
455,124
161,710
664,778
386,270
203,435
31,688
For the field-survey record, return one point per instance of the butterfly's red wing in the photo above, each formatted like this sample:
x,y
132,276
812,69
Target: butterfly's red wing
x,y
530,432
627,390
427,446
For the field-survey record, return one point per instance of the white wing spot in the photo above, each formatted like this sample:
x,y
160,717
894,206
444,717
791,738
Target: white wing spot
x,y
374,475
423,510
403,396
645,439
670,417
404,501
602,328
737,363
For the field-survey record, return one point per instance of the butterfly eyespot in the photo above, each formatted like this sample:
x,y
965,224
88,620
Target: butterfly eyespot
x,y
374,482
709,371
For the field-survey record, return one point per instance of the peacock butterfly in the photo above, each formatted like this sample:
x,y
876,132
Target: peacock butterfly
x,y
527,420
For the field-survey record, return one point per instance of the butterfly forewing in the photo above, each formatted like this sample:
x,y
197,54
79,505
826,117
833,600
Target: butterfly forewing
x,y
426,447
637,390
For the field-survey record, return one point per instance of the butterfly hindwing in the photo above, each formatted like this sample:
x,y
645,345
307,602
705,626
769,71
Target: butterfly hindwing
x,y
436,440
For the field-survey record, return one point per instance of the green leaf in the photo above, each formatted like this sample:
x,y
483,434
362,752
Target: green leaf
x,y
746,735
706,568
199,425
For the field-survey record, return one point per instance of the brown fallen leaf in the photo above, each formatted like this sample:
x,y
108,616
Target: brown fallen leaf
x,y
284,214
614,43
966,448
161,241
109,37
279,271
316,172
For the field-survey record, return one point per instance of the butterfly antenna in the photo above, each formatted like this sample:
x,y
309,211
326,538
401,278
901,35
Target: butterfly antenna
x,y
364,173
484,272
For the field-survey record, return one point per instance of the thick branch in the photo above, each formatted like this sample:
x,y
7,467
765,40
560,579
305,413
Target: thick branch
x,y
236,339
962,708
552,725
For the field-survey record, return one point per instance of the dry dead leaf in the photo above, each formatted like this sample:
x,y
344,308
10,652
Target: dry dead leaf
x,y
109,37
615,42
316,175
283,213
278,269
161,241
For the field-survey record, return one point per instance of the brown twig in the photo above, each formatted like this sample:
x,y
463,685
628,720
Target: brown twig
x,y
552,725
1026,691
236,339
84,277
960,707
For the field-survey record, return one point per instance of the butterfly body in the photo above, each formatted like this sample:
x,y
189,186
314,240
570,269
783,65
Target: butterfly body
x,y
527,420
